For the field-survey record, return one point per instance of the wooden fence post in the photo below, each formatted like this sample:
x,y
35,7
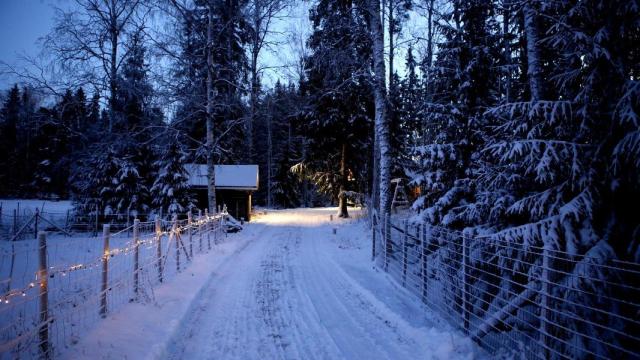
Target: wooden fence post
x,y
374,226
465,283
189,227
405,238
200,229
174,233
159,247
425,269
43,276
105,269
387,240
136,257
207,226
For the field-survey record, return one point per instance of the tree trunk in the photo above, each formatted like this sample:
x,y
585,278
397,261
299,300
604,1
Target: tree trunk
x,y
269,162
534,65
255,86
381,117
211,175
506,16
391,45
342,198
113,32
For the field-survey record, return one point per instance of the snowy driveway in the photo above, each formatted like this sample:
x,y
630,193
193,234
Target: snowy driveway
x,y
296,291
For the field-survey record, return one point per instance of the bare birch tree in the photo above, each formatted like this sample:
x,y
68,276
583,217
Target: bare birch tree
x,y
89,41
261,16
381,116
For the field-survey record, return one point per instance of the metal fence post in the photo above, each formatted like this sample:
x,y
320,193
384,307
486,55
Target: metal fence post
x,y
544,301
136,257
43,276
189,227
425,269
404,253
465,283
105,269
159,247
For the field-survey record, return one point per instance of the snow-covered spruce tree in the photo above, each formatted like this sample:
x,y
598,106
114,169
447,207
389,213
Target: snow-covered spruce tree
x,y
336,86
277,143
551,174
170,191
93,181
137,121
463,86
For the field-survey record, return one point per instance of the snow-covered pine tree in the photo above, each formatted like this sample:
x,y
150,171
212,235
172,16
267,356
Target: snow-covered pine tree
x,y
170,190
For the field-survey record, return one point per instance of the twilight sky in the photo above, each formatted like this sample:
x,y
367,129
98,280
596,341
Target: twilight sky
x,y
22,22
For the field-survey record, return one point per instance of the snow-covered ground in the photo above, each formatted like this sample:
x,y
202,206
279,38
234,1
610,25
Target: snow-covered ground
x,y
286,287
28,206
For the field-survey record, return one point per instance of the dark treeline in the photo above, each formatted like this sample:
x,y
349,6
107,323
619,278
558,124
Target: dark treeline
x,y
516,118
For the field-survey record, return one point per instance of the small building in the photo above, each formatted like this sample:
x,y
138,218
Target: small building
x,y
234,186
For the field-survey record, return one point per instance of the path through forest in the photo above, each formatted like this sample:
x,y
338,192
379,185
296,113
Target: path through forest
x,y
299,292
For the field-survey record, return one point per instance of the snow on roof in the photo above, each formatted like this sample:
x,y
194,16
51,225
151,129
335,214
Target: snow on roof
x,y
237,177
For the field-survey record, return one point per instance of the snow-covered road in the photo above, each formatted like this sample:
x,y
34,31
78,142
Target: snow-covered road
x,y
297,291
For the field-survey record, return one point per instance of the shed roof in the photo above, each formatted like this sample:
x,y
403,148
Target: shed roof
x,y
234,177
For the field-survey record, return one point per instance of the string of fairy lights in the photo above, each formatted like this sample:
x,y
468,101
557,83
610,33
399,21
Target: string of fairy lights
x,y
129,247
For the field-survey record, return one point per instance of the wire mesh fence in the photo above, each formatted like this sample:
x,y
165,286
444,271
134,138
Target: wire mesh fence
x,y
513,298
54,288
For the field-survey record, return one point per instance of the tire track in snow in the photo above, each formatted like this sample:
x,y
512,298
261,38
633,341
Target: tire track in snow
x,y
285,297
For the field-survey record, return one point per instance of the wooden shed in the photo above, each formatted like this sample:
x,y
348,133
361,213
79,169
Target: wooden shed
x,y
234,186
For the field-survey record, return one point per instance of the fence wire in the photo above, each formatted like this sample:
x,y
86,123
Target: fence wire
x,y
45,309
529,301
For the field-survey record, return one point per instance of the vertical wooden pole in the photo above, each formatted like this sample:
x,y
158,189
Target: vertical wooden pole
x,y
405,238
425,269
387,241
105,269
159,247
136,257
174,233
189,227
207,226
374,227
200,229
465,283
43,276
